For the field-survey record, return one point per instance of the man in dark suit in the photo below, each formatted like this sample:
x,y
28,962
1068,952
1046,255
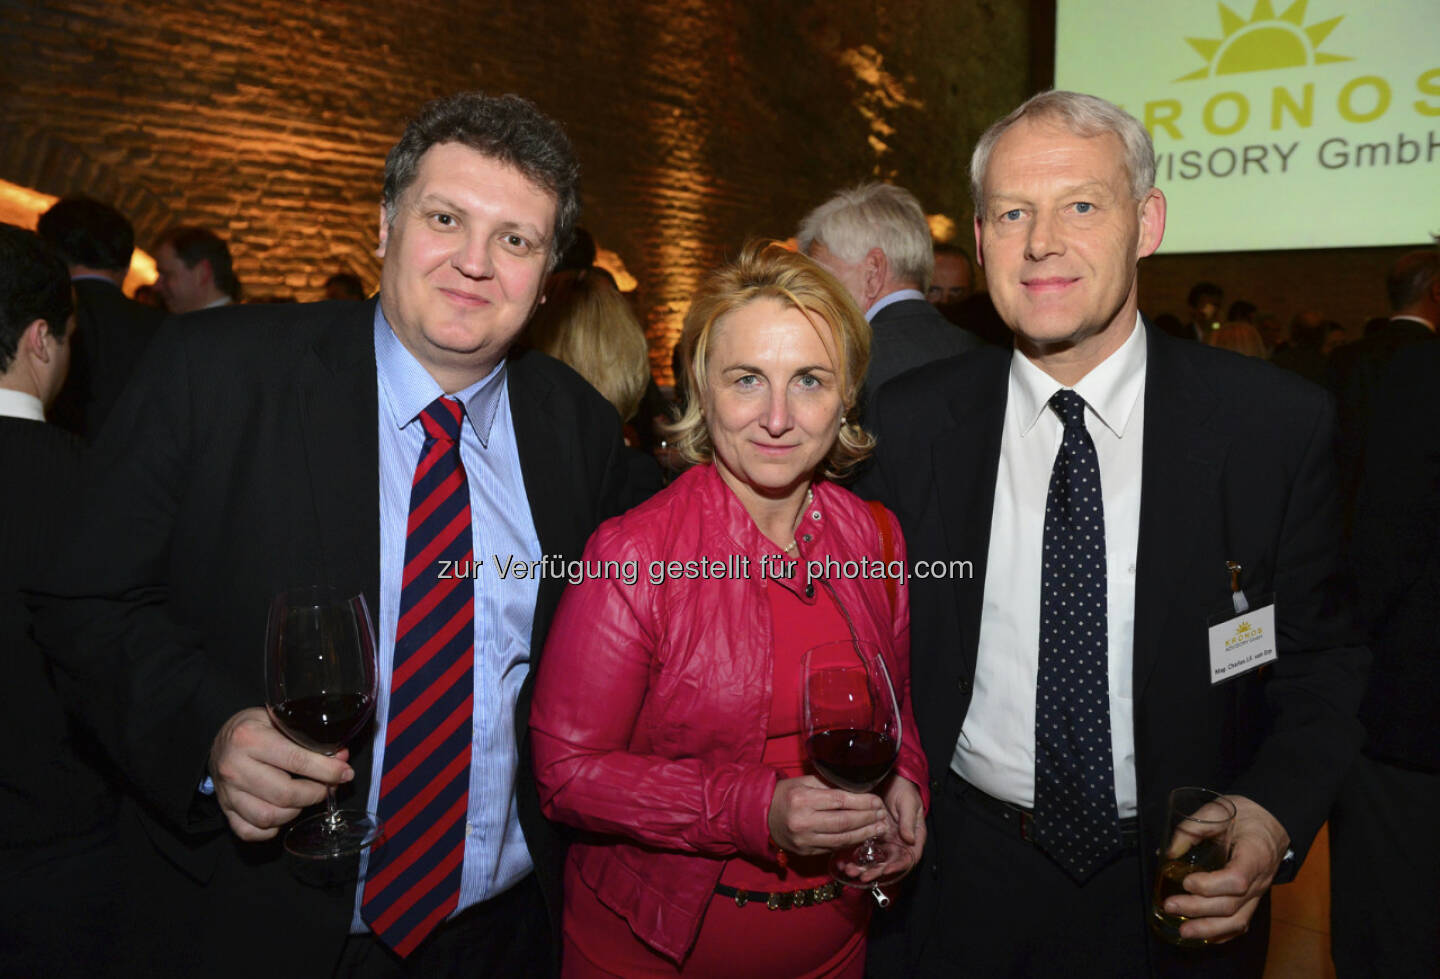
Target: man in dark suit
x,y
259,449
96,242
1413,290
1384,905
1098,479
60,883
875,240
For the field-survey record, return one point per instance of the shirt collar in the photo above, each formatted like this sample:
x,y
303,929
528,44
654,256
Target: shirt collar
x,y
217,303
410,388
899,295
94,277
1110,389
18,404
1416,319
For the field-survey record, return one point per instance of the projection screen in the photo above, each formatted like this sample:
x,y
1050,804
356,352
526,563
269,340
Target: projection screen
x,y
1292,124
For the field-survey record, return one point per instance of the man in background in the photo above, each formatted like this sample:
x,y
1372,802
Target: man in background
x,y
1412,289
875,240
1384,905
954,277
60,878
1205,300
195,270
96,241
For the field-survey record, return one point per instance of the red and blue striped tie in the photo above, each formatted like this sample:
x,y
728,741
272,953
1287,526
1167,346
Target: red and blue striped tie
x,y
413,881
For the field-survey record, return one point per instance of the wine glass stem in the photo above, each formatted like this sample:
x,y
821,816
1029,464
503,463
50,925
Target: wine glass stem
x,y
333,820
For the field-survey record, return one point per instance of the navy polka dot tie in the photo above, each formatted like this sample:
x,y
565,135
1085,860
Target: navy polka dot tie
x,y
1076,821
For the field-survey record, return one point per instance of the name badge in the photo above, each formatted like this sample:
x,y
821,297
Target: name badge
x,y
1241,643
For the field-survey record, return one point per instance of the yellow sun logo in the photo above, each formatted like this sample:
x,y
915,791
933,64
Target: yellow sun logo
x,y
1264,42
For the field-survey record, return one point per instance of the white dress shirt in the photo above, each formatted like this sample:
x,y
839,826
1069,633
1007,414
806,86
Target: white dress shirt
x,y
18,404
996,748
890,299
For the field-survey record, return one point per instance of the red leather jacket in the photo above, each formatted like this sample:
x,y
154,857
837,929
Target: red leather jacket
x,y
652,700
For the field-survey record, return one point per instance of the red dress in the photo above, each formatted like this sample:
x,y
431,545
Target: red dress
x,y
826,940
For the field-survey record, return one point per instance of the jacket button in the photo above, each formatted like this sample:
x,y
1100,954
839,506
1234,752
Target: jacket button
x,y
964,684
935,870
934,785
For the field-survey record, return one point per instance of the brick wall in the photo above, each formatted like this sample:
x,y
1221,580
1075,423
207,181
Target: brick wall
x,y
698,122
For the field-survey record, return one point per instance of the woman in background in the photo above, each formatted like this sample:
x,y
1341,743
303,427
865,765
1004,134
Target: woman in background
x,y
586,323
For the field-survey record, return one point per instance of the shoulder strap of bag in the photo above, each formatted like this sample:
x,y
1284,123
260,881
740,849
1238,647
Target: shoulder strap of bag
x,y
887,545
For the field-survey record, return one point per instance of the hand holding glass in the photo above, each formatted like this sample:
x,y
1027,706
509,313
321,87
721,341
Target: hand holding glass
x,y
1198,828
852,733
320,681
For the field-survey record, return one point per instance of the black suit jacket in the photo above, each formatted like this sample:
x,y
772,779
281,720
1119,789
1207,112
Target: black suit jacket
x,y
243,461
111,335
909,333
1356,372
51,791
1237,464
1397,563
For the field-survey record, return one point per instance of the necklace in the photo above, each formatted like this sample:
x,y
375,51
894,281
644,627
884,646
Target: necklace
x,y
809,499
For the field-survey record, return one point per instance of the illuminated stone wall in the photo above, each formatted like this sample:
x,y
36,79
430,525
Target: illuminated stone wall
x,y
697,123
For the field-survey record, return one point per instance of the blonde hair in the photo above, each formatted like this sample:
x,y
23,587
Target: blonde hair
x,y
586,323
769,270
1239,337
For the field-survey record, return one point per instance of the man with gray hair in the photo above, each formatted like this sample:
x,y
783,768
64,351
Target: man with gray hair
x,y
1143,543
875,240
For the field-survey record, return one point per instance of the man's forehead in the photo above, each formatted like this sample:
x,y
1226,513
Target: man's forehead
x,y
1031,142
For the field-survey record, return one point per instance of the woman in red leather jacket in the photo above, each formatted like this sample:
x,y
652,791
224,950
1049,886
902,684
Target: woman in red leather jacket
x,y
666,720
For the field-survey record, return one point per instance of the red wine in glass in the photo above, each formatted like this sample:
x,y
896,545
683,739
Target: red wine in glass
x,y
851,759
851,721
320,677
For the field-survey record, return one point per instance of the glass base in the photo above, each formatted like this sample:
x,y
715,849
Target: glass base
x,y
327,835
856,867
1167,928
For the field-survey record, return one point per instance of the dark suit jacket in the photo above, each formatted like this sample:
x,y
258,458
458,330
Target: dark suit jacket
x,y
909,333
1397,564
1355,377
111,335
243,460
50,790
1237,464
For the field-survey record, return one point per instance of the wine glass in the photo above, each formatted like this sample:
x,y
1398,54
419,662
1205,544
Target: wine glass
x,y
320,691
852,733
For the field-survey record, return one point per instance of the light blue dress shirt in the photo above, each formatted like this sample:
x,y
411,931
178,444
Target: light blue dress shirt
x,y
496,856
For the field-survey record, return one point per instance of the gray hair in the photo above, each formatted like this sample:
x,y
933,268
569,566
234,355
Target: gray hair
x,y
1084,115
870,216
506,128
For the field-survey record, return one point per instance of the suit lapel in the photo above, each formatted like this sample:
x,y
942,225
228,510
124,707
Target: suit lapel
x,y
545,448
965,455
337,411
1182,458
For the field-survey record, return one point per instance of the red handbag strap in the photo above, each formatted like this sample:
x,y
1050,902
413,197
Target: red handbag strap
x,y
887,546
